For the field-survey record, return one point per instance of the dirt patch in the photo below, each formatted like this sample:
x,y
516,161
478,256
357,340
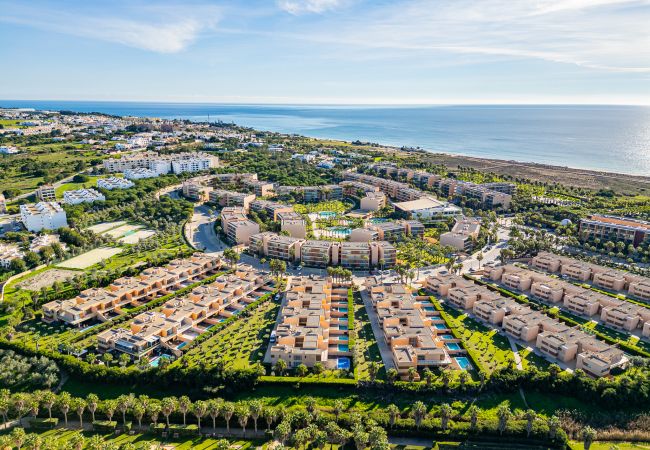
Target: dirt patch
x,y
105,226
122,231
90,258
46,279
134,238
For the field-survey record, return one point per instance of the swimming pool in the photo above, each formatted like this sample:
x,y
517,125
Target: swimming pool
x,y
446,336
327,214
156,361
453,346
463,363
429,308
343,327
440,326
339,231
343,347
342,309
343,363
378,220
343,338
181,345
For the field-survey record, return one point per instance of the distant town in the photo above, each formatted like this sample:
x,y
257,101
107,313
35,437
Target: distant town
x,y
179,274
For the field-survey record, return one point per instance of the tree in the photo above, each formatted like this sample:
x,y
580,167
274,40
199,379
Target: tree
x,y
214,409
255,410
199,408
310,404
361,439
18,437
302,370
270,414
77,440
184,404
4,409
553,426
412,373
473,412
63,402
392,374
445,415
153,410
107,358
338,408
419,412
228,410
242,412
479,258
393,413
530,417
167,407
282,431
92,400
138,409
123,404
588,435
445,376
463,377
231,256
124,359
280,366
79,405
110,406
373,370
504,414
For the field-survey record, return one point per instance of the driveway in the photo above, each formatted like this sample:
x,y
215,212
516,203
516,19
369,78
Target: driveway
x,y
384,350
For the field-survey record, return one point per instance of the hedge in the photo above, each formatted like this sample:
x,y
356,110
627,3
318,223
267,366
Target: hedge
x,y
43,424
270,380
104,425
184,430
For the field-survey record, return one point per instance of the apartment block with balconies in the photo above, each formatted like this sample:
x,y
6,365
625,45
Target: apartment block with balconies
x,y
442,284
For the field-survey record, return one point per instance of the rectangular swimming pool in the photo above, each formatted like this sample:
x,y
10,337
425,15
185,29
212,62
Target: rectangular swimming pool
x,y
343,363
343,347
463,363
440,326
446,336
453,346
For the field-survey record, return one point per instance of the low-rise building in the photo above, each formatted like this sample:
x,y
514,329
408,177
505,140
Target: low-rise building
x,y
293,223
46,193
78,196
611,228
8,253
373,201
194,190
276,246
442,284
139,173
428,209
463,235
230,198
111,183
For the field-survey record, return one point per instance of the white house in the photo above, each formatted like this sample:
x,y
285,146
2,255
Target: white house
x,y
139,173
83,196
114,183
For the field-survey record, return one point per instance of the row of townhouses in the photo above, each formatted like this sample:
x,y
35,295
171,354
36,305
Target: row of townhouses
x,y
98,304
181,320
552,338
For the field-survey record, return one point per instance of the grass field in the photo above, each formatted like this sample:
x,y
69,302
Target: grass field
x,y
90,258
91,183
366,342
611,445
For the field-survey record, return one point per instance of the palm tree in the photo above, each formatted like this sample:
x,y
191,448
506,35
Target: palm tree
x,y
419,412
373,369
243,413
154,410
445,415
138,410
79,405
588,435
184,405
48,398
463,378
310,404
214,409
280,366
270,415
123,405
227,411
504,414
473,412
338,408
18,437
445,376
530,417
77,441
167,407
255,410
109,408
92,400
64,405
199,408
4,409
361,439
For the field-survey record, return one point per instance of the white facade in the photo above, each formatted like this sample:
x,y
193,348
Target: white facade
x,y
82,196
139,173
43,216
8,253
114,183
195,163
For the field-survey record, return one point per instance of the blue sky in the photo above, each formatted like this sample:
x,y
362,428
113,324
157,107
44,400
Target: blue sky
x,y
327,51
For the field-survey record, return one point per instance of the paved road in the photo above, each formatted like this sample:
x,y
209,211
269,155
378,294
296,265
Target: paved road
x,y
200,231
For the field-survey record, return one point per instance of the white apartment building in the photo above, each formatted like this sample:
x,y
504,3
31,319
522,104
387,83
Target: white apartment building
x,y
114,183
139,173
83,196
8,253
43,216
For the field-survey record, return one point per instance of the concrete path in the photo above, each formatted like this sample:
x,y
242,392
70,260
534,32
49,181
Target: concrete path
x,y
384,350
515,352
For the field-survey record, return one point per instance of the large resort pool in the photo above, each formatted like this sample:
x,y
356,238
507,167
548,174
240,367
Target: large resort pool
x,y
327,214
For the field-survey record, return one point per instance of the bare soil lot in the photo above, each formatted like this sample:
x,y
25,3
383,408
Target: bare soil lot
x,y
90,258
46,279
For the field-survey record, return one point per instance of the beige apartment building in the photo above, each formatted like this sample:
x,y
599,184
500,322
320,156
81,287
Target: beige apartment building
x,y
465,297
587,303
610,228
407,329
312,326
626,316
230,198
276,246
373,201
273,209
180,321
528,325
104,304
442,284
196,191
293,223
493,311
463,235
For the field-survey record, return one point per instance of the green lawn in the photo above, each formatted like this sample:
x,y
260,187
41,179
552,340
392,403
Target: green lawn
x,y
366,342
239,345
530,359
147,440
611,445
491,349
91,183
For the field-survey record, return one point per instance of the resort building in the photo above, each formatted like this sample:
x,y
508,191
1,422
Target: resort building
x,y
104,304
391,231
162,164
260,188
313,325
111,183
463,235
230,198
79,196
442,284
493,311
239,230
316,253
276,246
43,216
372,201
196,191
8,253
527,326
615,229
293,223
46,193
272,209
407,329
428,209
193,162
466,295
626,316
180,321
358,188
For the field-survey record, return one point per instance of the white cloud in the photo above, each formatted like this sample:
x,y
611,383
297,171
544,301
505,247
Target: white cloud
x,y
309,6
597,34
159,29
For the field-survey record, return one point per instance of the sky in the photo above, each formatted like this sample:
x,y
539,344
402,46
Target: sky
x,y
327,51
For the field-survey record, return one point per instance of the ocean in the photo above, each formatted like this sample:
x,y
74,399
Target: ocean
x,y
608,138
